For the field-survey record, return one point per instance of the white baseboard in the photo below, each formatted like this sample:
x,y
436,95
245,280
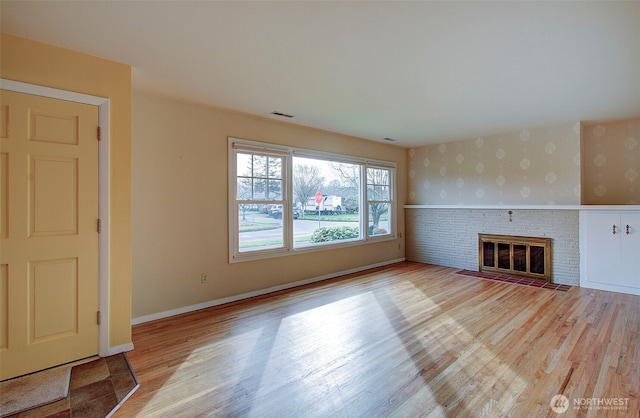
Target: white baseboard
x,y
117,350
609,287
216,302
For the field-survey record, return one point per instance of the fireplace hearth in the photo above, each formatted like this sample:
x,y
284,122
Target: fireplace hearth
x,y
515,255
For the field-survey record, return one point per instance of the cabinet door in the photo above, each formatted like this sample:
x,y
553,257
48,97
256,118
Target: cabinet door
x,y
630,250
602,253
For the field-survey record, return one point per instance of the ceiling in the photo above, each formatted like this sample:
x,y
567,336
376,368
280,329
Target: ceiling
x,y
418,72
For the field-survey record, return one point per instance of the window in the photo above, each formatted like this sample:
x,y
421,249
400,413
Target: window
x,y
379,200
283,200
333,215
259,190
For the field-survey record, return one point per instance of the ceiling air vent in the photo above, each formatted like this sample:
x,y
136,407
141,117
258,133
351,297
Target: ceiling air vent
x,y
284,115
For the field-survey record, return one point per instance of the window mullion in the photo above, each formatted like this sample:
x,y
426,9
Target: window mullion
x,y
287,191
364,198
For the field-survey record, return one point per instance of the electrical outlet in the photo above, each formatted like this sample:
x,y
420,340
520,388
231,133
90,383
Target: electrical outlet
x,y
204,278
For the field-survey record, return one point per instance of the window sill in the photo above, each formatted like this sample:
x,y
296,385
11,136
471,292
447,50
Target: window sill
x,y
283,252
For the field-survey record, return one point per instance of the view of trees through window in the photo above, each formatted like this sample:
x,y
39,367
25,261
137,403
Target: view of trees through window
x,y
337,215
259,183
328,201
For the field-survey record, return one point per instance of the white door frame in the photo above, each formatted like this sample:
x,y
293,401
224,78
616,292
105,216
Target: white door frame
x,y
103,191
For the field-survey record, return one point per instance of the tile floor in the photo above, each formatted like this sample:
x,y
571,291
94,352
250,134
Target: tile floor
x,y
96,389
517,280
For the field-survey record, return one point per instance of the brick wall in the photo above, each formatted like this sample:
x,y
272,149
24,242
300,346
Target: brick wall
x,y
449,237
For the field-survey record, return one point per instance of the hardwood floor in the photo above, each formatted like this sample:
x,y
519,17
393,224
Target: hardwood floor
x,y
405,340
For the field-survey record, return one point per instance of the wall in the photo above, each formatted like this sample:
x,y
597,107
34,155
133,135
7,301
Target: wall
x,y
179,206
35,63
536,166
550,167
611,163
449,237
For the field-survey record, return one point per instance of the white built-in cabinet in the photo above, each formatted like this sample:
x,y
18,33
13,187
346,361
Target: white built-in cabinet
x,y
610,242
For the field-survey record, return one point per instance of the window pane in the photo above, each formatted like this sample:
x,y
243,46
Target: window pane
x,y
275,189
259,166
275,168
259,229
259,177
377,192
375,176
259,189
379,219
336,218
378,184
384,193
244,190
243,165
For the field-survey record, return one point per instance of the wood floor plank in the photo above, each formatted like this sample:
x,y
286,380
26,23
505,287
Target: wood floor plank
x,y
404,340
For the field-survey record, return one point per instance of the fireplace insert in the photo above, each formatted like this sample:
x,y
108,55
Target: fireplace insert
x,y
515,255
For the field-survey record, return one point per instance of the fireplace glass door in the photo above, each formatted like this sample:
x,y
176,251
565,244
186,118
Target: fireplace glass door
x,y
520,257
504,256
536,258
526,256
489,254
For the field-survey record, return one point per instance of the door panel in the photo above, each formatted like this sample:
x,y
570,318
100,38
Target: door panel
x,y
630,250
4,314
4,178
53,296
53,205
49,246
55,128
602,255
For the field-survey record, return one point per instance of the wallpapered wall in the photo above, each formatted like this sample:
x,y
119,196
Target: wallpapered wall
x,y
611,163
530,167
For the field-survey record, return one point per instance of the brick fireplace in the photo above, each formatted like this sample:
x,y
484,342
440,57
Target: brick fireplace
x,y
448,236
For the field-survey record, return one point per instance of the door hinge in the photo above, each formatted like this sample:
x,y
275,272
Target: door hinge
x,y
99,226
99,318
99,134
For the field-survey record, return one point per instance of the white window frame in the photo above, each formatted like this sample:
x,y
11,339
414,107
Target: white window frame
x,y
237,144
391,201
